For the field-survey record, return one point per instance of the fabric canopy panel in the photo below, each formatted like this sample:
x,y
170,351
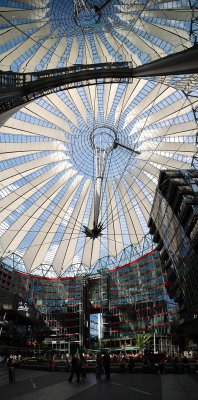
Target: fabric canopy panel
x,y
49,172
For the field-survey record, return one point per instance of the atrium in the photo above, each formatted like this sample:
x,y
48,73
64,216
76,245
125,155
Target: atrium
x,y
98,98
98,196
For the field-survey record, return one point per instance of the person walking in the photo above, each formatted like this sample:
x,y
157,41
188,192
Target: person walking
x,y
106,365
11,370
83,365
52,364
75,368
131,364
99,367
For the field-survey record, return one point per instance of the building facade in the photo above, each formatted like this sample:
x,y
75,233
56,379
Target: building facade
x,y
21,324
174,226
130,299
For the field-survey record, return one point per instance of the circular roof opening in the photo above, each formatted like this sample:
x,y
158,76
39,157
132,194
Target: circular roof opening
x,y
86,17
103,138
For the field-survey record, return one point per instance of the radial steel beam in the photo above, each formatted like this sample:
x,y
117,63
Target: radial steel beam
x,y
184,62
19,89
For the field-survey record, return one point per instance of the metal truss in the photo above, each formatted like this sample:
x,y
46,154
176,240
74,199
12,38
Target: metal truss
x,y
13,261
190,96
186,83
195,162
18,89
194,22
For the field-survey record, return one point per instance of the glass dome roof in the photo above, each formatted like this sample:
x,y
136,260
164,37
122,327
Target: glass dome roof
x,y
79,167
41,34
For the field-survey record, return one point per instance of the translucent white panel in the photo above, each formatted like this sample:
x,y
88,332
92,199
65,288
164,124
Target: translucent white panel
x,y
165,162
131,91
102,51
147,183
19,49
40,54
184,148
171,14
164,33
185,129
133,223
35,255
144,103
49,116
87,54
63,108
66,250
11,175
92,97
108,98
58,54
73,53
78,102
141,198
20,14
91,252
121,48
27,129
12,33
114,226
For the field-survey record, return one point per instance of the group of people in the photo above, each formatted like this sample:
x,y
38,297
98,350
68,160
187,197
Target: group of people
x,y
78,367
102,366
79,364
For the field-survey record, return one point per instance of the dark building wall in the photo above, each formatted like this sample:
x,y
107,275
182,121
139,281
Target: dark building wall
x,y
60,302
174,225
20,322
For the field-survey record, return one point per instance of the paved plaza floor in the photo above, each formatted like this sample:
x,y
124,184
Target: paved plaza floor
x,y
44,385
